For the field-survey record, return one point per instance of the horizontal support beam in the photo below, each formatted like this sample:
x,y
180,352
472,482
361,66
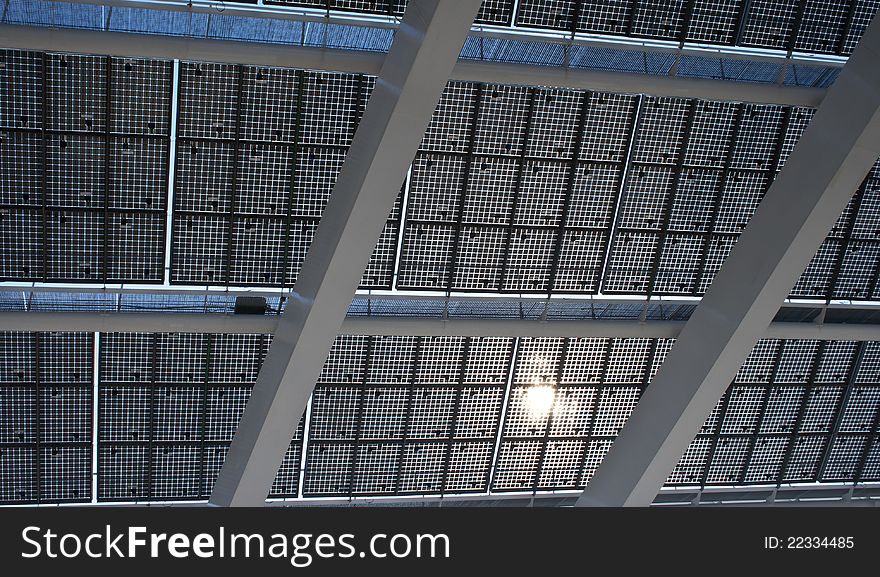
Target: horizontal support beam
x,y
361,62
119,322
320,15
818,494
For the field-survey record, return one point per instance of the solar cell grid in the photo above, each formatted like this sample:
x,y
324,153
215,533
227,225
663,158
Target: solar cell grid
x,y
781,412
141,96
646,194
329,467
820,408
451,122
554,121
263,181
862,14
552,14
676,270
695,199
529,260
856,276
516,465
804,462
22,168
846,450
430,412
689,469
560,466
138,173
18,414
480,258
666,19
21,80
613,408
593,196
765,462
607,127
818,277
796,360
629,265
422,468
593,456
269,104
860,410
491,191
580,261
478,413
662,130
501,120
743,410
714,21
770,23
76,92
822,26
729,459
435,186
759,365
425,255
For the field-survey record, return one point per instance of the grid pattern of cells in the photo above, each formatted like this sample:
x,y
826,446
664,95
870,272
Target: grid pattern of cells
x,y
698,171
567,396
414,415
513,190
776,426
406,415
812,26
168,407
259,151
45,417
85,147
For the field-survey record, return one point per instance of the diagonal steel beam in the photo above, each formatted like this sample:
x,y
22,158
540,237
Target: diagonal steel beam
x,y
407,90
824,170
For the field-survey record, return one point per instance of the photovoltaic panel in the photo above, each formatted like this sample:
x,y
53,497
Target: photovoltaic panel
x,y
168,407
259,151
513,190
85,155
45,417
403,415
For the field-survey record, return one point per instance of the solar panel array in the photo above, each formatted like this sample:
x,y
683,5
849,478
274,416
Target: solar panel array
x,y
84,146
414,415
813,26
513,189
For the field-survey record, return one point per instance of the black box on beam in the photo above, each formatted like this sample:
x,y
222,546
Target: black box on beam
x,y
250,305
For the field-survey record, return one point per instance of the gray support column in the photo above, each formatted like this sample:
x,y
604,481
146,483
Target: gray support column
x,y
408,88
824,171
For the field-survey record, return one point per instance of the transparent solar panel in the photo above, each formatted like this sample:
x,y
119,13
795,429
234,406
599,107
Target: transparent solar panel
x,y
811,26
259,152
45,417
402,414
98,113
